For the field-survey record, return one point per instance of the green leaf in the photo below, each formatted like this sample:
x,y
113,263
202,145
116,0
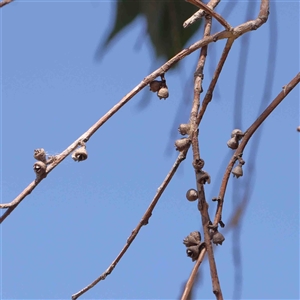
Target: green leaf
x,y
164,23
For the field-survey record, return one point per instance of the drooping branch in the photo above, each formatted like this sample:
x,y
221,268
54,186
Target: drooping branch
x,y
143,222
247,135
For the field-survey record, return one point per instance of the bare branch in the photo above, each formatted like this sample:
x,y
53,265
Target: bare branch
x,y
200,13
211,12
248,134
143,221
212,85
4,2
191,280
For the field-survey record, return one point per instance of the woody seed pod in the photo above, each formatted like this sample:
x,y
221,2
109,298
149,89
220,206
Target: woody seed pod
x,y
218,238
39,168
40,154
193,252
155,85
184,129
237,133
163,93
233,143
80,154
237,171
192,195
298,128
182,144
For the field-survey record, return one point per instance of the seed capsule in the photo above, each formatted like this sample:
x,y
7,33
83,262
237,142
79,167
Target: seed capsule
x,y
237,171
80,154
218,238
39,168
192,195
182,144
163,93
233,143
184,129
155,85
238,133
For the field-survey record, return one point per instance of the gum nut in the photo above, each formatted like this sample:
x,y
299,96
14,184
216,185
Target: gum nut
x,y
233,143
237,171
39,167
184,129
237,133
80,154
182,144
191,195
218,238
163,93
155,86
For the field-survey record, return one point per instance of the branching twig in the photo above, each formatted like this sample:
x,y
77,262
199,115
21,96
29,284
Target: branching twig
x,y
143,221
234,33
197,163
211,12
248,134
200,13
212,85
4,2
191,280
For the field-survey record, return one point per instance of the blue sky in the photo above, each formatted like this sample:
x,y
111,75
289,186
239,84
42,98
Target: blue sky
x,y
68,231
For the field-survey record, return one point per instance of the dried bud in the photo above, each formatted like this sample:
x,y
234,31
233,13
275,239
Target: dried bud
x,y
39,168
192,195
218,238
182,144
198,164
184,129
233,143
40,154
237,171
80,154
203,177
163,93
155,85
237,133
194,238
193,252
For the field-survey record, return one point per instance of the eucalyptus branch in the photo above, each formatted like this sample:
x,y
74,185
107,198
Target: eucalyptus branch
x,y
198,163
200,13
247,135
211,12
191,280
234,33
143,221
212,85
4,2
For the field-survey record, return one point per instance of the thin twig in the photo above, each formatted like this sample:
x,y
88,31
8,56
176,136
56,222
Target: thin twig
x,y
202,204
143,221
191,280
211,12
248,134
212,85
4,2
86,136
200,13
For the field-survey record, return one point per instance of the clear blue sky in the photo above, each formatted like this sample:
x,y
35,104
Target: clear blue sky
x,y
68,231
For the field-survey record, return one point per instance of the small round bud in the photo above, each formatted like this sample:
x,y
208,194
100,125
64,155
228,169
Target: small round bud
x,y
237,133
184,129
192,195
237,171
155,85
298,128
233,143
182,144
80,154
163,93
